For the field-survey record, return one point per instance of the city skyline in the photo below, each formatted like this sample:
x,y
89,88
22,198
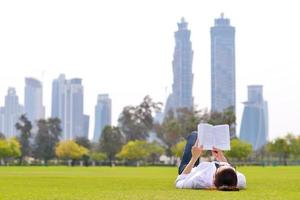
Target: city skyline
x,y
130,57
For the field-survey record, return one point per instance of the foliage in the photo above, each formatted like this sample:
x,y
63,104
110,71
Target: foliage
x,y
140,150
69,149
46,139
178,149
111,141
83,141
136,121
98,156
240,150
134,150
24,126
281,148
9,148
155,151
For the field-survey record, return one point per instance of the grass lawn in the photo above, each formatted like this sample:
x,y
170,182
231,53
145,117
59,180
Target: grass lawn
x,y
66,183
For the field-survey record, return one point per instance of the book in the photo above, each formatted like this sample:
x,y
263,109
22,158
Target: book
x,y
217,136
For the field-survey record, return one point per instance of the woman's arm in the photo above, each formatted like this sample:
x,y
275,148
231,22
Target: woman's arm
x,y
196,153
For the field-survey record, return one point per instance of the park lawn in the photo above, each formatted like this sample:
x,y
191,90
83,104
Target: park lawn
x,y
130,183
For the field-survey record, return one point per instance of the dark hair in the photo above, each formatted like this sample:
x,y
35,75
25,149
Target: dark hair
x,y
226,180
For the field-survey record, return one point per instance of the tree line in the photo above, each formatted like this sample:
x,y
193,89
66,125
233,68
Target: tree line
x,y
127,142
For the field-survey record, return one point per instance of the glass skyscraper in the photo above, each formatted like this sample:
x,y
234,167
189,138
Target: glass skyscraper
x,y
254,126
67,105
102,115
10,113
182,88
33,103
222,65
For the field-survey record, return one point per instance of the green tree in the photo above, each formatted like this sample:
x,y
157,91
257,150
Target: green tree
x,y
177,150
98,156
134,151
136,121
169,132
46,139
111,141
155,151
24,126
69,149
240,150
280,147
9,148
84,141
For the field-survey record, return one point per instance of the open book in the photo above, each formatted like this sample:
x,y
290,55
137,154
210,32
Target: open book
x,y
214,136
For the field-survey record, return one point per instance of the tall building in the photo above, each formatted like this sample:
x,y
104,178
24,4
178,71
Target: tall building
x,y
102,115
67,105
182,88
222,65
10,113
254,126
33,101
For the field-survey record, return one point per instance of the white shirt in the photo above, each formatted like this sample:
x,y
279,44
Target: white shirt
x,y
202,177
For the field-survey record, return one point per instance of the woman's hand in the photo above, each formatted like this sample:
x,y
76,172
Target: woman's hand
x,y
196,150
219,155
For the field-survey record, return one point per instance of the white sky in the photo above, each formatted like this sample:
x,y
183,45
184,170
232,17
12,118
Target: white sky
x,y
125,48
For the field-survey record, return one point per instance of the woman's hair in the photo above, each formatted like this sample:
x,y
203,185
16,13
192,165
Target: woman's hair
x,y
226,180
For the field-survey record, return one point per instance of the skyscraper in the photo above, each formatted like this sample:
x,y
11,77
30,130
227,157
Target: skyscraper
x,y
33,101
182,88
254,126
67,105
10,113
222,65
102,115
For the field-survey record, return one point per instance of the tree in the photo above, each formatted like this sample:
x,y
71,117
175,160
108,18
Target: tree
x,y
46,139
177,150
136,121
9,148
134,151
24,126
155,151
240,150
177,125
111,141
98,156
280,148
83,141
69,149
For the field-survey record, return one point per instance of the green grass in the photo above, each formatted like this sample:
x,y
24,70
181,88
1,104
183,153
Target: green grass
x,y
129,183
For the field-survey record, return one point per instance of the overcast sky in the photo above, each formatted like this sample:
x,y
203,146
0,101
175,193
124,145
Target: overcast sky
x,y
125,48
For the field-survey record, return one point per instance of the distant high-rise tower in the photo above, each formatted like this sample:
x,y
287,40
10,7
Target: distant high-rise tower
x,y
254,126
182,88
67,105
222,65
102,115
33,101
10,113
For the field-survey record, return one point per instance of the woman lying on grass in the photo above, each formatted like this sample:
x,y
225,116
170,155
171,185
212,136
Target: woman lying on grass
x,y
218,174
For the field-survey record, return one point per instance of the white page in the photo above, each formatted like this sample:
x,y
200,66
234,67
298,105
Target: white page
x,y
205,136
221,137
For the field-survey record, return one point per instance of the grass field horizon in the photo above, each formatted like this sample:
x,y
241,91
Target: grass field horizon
x,y
93,183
